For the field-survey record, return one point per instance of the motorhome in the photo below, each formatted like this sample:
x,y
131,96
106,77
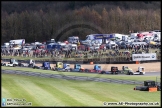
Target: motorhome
x,y
145,35
157,35
17,41
97,39
119,37
5,45
133,35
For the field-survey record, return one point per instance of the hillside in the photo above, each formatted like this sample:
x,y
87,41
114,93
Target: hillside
x,y
20,6
41,21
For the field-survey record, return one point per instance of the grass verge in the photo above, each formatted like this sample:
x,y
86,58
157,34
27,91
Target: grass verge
x,y
60,92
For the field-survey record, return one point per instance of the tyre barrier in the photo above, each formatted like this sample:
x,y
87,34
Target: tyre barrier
x,y
71,77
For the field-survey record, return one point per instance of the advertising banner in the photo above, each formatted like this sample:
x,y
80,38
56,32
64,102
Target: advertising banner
x,y
144,57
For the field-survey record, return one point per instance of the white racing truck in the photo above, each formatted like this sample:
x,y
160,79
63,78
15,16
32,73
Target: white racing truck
x,y
12,63
141,71
31,63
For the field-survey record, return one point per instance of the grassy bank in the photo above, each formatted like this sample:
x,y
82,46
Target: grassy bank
x,y
60,92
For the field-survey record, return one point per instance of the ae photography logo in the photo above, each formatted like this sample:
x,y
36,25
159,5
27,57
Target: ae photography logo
x,y
3,102
139,104
87,63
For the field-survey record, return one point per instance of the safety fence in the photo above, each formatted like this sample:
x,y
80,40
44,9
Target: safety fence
x,y
106,59
71,77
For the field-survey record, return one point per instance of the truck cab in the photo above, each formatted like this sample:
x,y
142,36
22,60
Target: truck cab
x,y
46,66
12,63
126,70
66,66
77,68
59,65
140,71
114,70
31,63
97,68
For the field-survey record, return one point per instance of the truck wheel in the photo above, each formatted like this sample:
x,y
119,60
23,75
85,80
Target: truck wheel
x,y
14,65
141,73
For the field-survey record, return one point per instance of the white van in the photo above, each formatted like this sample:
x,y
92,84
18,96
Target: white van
x,y
73,39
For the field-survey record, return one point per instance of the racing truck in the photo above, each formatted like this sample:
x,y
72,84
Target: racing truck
x,y
2,63
126,70
97,69
12,63
45,66
77,68
140,71
114,70
31,63
60,66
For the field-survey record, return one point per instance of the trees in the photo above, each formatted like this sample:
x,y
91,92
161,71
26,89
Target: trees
x,y
42,25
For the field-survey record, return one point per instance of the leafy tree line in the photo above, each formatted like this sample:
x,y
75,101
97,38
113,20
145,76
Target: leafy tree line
x,y
20,6
41,25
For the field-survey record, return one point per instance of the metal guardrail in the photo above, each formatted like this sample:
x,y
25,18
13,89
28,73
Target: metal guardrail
x,y
70,77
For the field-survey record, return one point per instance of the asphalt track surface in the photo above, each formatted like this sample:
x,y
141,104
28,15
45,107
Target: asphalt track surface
x,y
153,74
148,74
83,78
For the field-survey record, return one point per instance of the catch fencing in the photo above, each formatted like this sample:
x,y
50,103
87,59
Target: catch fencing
x,y
71,77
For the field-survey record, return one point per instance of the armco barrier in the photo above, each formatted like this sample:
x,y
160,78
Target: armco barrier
x,y
70,77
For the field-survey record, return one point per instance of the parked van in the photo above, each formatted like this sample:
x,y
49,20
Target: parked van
x,y
73,39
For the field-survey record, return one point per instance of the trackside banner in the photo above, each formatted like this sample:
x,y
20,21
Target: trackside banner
x,y
143,57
